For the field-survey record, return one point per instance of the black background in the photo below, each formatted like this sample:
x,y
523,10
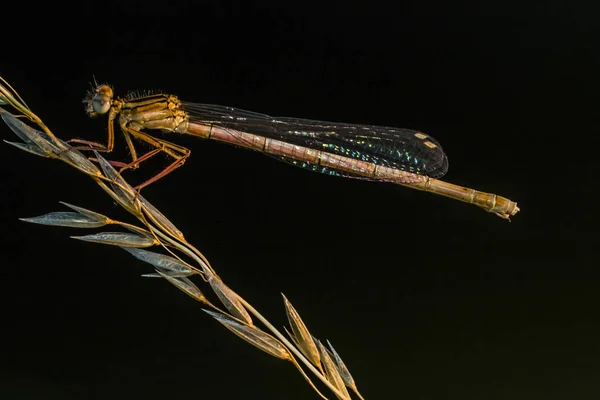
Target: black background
x,y
424,297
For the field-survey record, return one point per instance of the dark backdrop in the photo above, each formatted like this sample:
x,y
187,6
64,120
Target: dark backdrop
x,y
424,297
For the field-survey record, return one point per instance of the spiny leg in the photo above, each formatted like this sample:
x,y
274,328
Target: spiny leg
x,y
169,148
132,150
89,145
108,148
173,166
179,153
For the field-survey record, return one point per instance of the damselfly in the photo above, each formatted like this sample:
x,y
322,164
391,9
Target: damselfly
x,y
402,156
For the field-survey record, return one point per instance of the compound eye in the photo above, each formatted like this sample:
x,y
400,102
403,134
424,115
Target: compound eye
x,y
100,100
100,103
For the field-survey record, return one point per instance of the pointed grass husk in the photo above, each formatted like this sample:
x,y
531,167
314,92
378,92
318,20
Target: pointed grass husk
x,y
132,208
89,214
253,335
120,187
118,239
301,335
75,158
185,285
29,148
343,370
65,218
32,136
229,299
332,372
159,219
168,265
40,143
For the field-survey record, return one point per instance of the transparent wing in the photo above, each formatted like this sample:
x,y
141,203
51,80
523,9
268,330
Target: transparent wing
x,y
397,148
